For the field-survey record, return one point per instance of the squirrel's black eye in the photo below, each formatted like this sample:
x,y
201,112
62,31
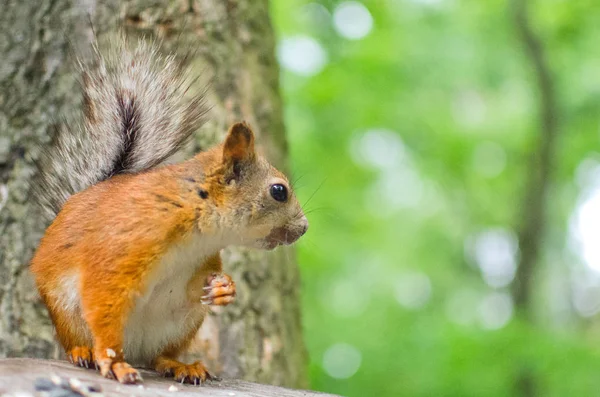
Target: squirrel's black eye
x,y
279,192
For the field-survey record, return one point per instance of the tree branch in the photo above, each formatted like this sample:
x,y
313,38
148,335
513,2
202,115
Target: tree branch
x,y
530,231
532,220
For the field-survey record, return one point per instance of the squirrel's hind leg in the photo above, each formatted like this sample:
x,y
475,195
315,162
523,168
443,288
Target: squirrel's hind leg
x,y
71,329
104,310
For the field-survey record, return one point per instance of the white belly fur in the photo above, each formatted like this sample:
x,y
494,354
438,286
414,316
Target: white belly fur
x,y
163,314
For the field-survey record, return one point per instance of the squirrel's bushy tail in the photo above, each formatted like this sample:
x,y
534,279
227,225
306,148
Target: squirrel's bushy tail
x,y
137,111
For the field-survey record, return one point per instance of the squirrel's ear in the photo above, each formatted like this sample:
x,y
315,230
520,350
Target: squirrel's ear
x,y
239,145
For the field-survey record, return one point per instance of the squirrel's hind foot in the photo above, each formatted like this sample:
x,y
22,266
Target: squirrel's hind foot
x,y
194,374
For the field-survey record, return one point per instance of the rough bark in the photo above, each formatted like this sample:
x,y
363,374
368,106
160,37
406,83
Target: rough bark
x,y
258,338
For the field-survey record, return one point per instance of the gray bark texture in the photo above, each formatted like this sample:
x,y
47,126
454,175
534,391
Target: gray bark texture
x,y
259,337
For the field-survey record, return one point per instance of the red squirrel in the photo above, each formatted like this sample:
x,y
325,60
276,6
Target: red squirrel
x,y
130,263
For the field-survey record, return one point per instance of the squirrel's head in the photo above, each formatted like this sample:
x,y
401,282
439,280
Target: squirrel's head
x,y
257,201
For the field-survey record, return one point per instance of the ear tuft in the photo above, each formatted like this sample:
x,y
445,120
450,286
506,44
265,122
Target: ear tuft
x,y
239,144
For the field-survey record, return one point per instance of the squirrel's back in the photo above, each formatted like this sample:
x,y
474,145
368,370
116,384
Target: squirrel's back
x,y
138,109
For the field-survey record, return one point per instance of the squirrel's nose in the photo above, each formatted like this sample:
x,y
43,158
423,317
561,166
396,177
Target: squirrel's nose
x,y
304,225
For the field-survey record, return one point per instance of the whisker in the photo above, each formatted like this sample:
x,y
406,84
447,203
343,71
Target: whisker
x,y
310,242
295,181
287,255
310,211
315,192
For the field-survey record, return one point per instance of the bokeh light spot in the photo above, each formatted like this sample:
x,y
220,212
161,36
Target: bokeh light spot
x,y
495,253
341,361
378,148
316,14
587,229
302,55
413,290
352,20
586,295
343,299
399,184
495,310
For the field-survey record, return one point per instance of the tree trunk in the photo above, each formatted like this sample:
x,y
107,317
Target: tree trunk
x,y
259,337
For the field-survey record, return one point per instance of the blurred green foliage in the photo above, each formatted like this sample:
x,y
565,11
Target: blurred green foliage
x,y
409,144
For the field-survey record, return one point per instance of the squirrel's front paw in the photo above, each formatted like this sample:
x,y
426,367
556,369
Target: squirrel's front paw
x,y
219,290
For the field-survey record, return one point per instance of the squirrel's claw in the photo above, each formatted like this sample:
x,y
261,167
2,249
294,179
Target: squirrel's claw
x,y
81,356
